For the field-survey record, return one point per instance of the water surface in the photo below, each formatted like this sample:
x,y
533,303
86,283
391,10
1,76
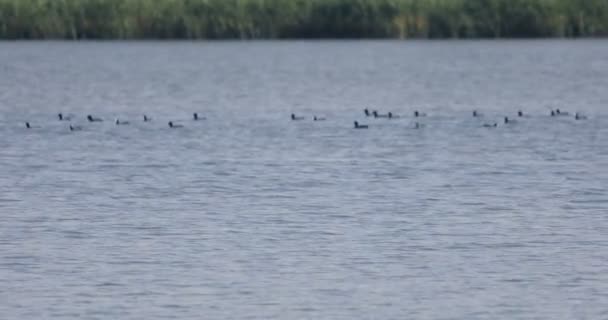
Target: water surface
x,y
250,215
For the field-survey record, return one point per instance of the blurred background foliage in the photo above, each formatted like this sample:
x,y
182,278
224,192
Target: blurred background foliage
x,y
277,19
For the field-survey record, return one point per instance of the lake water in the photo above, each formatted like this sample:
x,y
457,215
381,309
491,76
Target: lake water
x,y
248,215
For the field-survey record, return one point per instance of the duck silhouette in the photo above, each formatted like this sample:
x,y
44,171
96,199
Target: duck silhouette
x,y
360,126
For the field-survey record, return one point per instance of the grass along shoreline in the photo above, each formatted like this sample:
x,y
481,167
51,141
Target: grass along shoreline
x,y
301,19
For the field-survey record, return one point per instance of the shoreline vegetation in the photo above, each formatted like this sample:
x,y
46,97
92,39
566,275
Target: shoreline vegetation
x,y
301,19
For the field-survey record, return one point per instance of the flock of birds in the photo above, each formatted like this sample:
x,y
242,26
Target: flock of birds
x,y
357,125
117,121
418,114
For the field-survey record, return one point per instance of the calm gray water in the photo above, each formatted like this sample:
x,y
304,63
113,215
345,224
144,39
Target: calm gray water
x,y
248,215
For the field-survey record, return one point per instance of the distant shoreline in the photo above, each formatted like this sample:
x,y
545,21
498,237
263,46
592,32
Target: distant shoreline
x,y
228,40
309,19
301,39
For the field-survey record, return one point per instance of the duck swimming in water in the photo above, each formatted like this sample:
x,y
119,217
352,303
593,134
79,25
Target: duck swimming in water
x,y
91,119
195,117
377,115
146,119
578,116
75,128
507,120
294,118
174,126
475,114
315,118
419,114
560,113
63,118
393,116
120,123
366,111
520,113
360,126
487,125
